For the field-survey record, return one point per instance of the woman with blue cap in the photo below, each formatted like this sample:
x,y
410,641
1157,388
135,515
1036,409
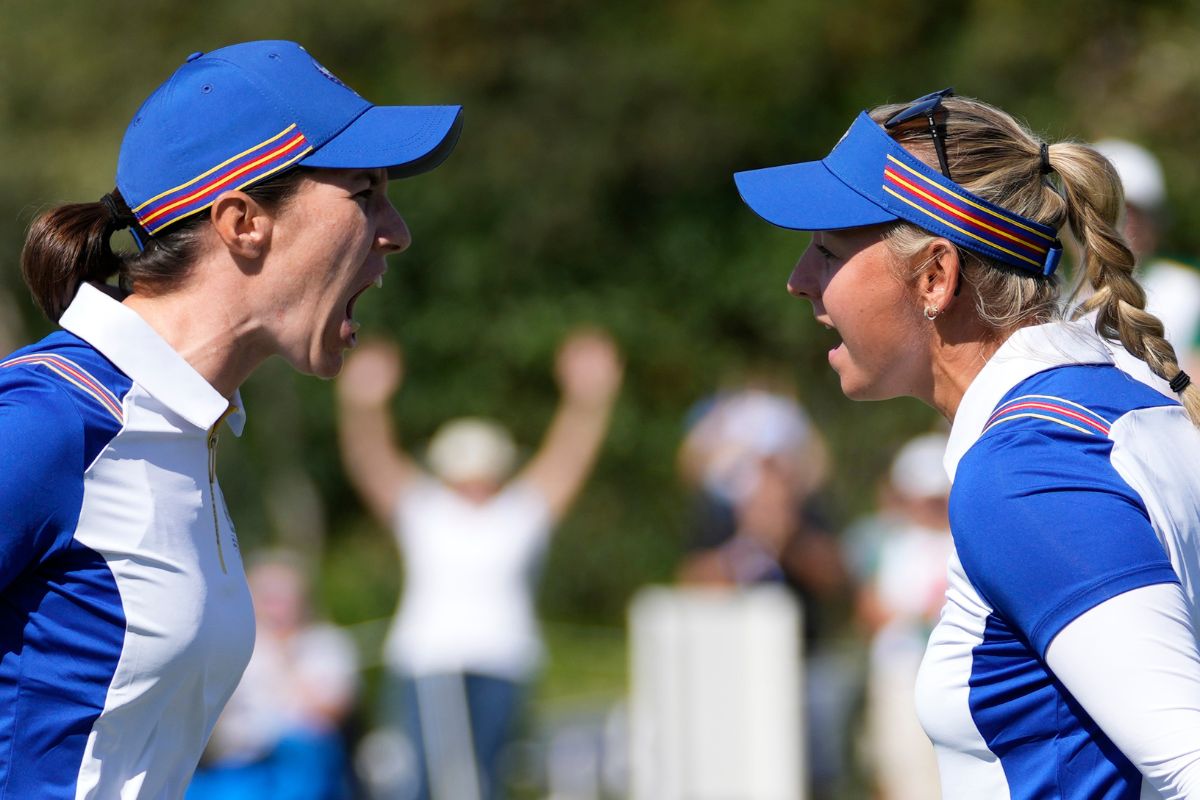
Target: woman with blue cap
x,y
253,182
1065,660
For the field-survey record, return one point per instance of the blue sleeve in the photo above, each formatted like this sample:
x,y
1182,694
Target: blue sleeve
x,y
41,472
1046,529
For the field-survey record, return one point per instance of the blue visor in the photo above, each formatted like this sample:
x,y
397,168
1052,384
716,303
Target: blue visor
x,y
869,179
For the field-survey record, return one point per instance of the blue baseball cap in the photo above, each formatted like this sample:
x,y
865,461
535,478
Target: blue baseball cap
x,y
235,116
869,179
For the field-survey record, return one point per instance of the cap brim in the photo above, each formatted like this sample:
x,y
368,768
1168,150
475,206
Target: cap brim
x,y
407,140
807,197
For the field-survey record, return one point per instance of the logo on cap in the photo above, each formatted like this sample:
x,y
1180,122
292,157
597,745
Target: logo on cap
x,y
321,69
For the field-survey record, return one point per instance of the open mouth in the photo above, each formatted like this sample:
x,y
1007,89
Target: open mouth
x,y
835,338
350,327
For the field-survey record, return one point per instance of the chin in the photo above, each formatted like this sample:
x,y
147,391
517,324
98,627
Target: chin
x,y
328,367
320,364
856,388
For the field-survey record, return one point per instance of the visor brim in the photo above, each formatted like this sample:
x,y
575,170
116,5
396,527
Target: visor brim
x,y
807,197
407,140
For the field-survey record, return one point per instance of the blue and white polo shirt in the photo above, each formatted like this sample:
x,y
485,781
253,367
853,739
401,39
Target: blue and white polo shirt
x,y
125,619
1074,483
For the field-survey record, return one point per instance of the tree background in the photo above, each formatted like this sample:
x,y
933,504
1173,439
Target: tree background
x,y
591,185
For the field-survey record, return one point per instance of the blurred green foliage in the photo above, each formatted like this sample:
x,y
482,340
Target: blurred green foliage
x,y
591,185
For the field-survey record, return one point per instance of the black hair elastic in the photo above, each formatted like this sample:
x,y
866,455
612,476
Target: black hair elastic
x,y
114,214
119,219
1180,382
1046,168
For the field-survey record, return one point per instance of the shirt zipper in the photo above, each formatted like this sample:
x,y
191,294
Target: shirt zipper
x,y
212,482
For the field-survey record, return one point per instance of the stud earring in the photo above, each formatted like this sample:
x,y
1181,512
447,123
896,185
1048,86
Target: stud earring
x,y
931,313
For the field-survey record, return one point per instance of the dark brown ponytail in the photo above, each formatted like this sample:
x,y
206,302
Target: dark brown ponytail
x,y
66,246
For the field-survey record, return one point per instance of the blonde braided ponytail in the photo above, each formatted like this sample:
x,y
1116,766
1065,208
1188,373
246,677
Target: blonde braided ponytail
x,y
1094,201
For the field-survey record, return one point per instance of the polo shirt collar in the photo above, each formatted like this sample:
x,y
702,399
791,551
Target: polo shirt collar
x,y
124,338
1028,351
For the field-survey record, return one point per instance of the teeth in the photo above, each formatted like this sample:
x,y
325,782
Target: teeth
x,y
355,327
379,282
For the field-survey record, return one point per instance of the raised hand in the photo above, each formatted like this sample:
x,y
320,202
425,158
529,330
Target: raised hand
x,y
372,374
588,367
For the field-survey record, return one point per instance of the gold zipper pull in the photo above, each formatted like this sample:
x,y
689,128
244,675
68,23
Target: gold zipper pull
x,y
212,483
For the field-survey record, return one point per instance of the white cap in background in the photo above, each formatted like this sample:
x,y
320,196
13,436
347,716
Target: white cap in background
x,y
1140,171
918,472
470,449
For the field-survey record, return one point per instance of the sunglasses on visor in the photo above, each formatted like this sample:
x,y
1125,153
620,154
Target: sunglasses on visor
x,y
926,107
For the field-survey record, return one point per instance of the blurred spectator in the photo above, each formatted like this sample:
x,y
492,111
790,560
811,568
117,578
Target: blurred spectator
x,y
902,555
464,644
280,736
1172,286
756,462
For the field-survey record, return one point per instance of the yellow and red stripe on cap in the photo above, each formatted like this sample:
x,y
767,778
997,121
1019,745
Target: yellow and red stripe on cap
x,y
249,166
987,228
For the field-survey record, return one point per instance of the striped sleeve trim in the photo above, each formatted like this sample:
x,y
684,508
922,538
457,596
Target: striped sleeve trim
x,y
1051,409
75,375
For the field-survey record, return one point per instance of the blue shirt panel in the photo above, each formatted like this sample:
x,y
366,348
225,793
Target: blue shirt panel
x,y
61,621
1044,525
1045,529
1047,744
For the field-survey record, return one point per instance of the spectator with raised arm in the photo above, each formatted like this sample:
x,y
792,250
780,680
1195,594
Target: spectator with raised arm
x,y
464,644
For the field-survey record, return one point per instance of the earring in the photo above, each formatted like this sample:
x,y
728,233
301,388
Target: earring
x,y
931,313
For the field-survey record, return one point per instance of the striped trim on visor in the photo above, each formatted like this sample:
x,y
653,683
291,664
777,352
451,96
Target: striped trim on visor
x,y
75,375
249,166
988,228
869,179
1050,409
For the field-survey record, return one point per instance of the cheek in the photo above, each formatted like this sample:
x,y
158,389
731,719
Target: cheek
x,y
878,328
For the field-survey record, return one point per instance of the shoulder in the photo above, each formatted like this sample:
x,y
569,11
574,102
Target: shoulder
x,y
42,462
37,411
423,492
523,499
1101,392
64,360
1047,448
61,386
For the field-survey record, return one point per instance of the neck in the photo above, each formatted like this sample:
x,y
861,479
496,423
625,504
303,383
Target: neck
x,y
958,357
209,325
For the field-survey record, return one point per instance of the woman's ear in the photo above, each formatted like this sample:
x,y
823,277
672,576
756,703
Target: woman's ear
x,y
243,224
938,280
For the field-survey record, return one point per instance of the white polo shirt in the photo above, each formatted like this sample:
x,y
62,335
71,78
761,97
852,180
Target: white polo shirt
x,y
125,619
1076,501
469,573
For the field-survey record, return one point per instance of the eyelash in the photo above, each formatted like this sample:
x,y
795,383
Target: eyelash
x,y
829,256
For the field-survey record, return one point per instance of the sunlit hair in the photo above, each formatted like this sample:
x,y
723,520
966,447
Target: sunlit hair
x,y
995,157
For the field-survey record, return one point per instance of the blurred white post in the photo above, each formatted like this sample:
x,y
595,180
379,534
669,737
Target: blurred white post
x,y
716,710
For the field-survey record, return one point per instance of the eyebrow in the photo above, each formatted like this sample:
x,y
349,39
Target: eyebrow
x,y
372,176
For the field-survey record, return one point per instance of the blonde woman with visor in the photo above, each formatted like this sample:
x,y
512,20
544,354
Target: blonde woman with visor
x,y
1064,664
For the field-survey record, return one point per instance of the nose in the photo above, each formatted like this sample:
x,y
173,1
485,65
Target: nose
x,y
392,234
802,282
